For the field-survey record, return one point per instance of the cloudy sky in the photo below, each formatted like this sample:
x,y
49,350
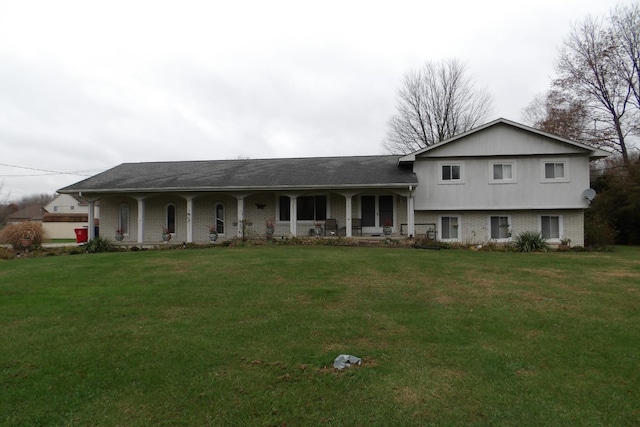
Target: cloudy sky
x,y
86,85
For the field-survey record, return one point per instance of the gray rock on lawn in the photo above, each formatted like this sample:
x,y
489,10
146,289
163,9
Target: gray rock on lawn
x,y
345,361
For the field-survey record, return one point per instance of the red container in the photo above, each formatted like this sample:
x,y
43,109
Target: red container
x,y
82,235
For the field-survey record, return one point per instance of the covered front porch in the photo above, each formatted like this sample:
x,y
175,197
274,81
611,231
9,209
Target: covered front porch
x,y
190,217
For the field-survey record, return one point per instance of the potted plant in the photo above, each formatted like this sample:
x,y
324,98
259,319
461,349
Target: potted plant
x,y
387,227
317,227
166,234
213,233
119,234
269,227
27,240
565,244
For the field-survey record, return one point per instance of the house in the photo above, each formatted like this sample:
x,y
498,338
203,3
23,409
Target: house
x,y
31,213
486,184
64,214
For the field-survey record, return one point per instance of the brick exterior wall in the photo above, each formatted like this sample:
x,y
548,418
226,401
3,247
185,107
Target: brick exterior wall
x,y
258,208
475,227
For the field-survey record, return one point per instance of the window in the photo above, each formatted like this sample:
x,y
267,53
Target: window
x,y
500,227
219,220
449,228
502,171
171,218
554,170
284,204
550,226
310,208
450,172
123,219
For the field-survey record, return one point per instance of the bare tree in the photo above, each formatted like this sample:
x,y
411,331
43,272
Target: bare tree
x,y
3,197
36,199
435,102
589,68
561,114
625,28
5,208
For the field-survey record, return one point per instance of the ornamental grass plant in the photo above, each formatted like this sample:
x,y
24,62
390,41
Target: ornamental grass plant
x,y
13,234
530,241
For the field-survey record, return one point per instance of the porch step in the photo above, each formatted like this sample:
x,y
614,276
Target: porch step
x,y
371,242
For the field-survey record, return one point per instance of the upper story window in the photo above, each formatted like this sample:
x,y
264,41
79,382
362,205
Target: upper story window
x,y
503,172
555,171
450,173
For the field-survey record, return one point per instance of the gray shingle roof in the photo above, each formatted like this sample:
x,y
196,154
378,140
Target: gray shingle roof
x,y
317,172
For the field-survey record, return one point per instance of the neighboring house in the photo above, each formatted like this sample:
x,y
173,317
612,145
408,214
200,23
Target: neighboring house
x,y
64,214
66,203
31,213
486,184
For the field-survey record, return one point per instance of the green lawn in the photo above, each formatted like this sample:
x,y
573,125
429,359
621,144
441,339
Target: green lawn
x,y
60,241
247,336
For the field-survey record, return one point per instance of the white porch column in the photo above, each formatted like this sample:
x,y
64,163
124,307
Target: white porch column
x,y
141,209
240,199
348,197
293,215
348,217
189,218
411,220
91,219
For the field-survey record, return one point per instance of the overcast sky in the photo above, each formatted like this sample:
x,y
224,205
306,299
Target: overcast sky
x,y
86,85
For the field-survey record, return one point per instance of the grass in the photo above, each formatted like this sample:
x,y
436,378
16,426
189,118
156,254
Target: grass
x,y
247,336
59,240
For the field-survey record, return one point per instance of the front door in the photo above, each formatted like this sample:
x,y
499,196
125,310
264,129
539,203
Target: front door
x,y
375,211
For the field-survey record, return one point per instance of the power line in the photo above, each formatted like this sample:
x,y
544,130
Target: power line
x,y
47,172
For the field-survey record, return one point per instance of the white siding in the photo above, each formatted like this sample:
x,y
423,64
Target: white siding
x,y
504,140
478,191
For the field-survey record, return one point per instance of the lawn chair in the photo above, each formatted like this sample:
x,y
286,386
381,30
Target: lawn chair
x,y
331,227
356,224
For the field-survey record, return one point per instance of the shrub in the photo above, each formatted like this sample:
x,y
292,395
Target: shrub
x,y
13,234
7,253
598,232
99,245
530,241
495,247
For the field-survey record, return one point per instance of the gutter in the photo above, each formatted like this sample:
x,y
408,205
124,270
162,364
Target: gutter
x,y
237,188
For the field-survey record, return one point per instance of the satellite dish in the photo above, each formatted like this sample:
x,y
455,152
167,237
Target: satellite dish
x,y
589,194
